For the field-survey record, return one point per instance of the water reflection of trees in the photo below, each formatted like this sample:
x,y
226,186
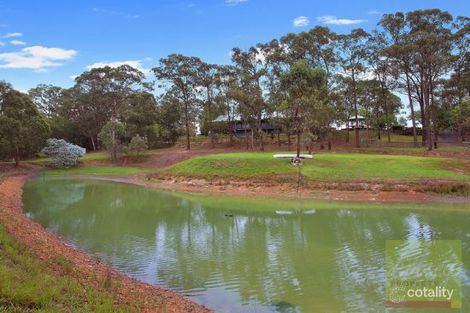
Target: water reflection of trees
x,y
329,261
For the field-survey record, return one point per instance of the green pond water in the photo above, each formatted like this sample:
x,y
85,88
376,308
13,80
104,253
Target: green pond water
x,y
245,255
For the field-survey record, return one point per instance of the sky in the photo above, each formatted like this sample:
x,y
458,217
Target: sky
x,y
53,41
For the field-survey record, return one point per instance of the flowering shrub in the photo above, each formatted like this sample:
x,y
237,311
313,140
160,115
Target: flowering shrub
x,y
62,153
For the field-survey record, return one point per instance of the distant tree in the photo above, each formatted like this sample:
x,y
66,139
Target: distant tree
x,y
461,118
353,56
98,95
47,99
23,130
306,93
179,74
247,89
139,114
62,153
111,136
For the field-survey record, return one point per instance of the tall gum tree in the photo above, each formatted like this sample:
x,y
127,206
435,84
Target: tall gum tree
x,y
353,56
180,74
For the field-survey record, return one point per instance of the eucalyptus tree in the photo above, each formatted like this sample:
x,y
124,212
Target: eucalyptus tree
x,y
112,84
209,80
4,89
279,60
227,76
370,97
98,95
384,73
180,74
317,47
23,130
395,30
47,99
170,119
458,84
461,118
247,90
306,95
429,40
139,114
353,58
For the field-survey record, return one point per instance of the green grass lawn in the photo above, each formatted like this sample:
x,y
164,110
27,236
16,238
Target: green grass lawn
x,y
324,167
26,285
96,171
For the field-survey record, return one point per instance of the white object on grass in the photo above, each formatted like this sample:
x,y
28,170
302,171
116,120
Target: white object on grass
x,y
302,156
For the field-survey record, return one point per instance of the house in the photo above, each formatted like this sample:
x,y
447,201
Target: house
x,y
351,124
239,127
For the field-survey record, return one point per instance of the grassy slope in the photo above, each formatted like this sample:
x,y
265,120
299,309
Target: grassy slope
x,y
26,285
325,167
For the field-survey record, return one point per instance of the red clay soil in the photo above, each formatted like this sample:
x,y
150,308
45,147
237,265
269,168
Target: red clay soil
x,y
87,270
344,192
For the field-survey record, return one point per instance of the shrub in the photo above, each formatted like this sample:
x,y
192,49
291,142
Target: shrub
x,y
137,146
111,135
62,153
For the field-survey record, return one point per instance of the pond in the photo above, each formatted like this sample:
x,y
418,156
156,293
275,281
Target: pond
x,y
244,255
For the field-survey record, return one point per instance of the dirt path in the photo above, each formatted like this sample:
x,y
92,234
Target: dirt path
x,y
87,270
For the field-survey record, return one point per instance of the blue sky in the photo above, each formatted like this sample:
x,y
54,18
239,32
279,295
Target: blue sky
x,y
51,41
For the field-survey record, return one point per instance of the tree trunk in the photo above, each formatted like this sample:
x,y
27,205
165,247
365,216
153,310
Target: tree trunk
x,y
389,137
428,118
93,143
412,110
246,137
186,117
209,112
356,133
279,139
435,124
358,143
298,143
252,139
17,157
289,141
260,133
114,146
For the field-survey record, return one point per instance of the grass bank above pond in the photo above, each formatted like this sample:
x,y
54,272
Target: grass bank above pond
x,y
325,167
26,285
96,171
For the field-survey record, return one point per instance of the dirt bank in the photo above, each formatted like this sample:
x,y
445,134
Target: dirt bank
x,y
346,191
86,269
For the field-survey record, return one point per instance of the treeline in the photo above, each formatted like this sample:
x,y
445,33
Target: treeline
x,y
302,83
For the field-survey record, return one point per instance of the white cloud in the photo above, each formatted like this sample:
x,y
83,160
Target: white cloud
x,y
373,12
10,35
35,57
17,42
328,19
301,21
72,77
134,63
234,2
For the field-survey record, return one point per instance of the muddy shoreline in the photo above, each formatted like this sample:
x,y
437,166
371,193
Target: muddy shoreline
x,y
347,191
88,270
